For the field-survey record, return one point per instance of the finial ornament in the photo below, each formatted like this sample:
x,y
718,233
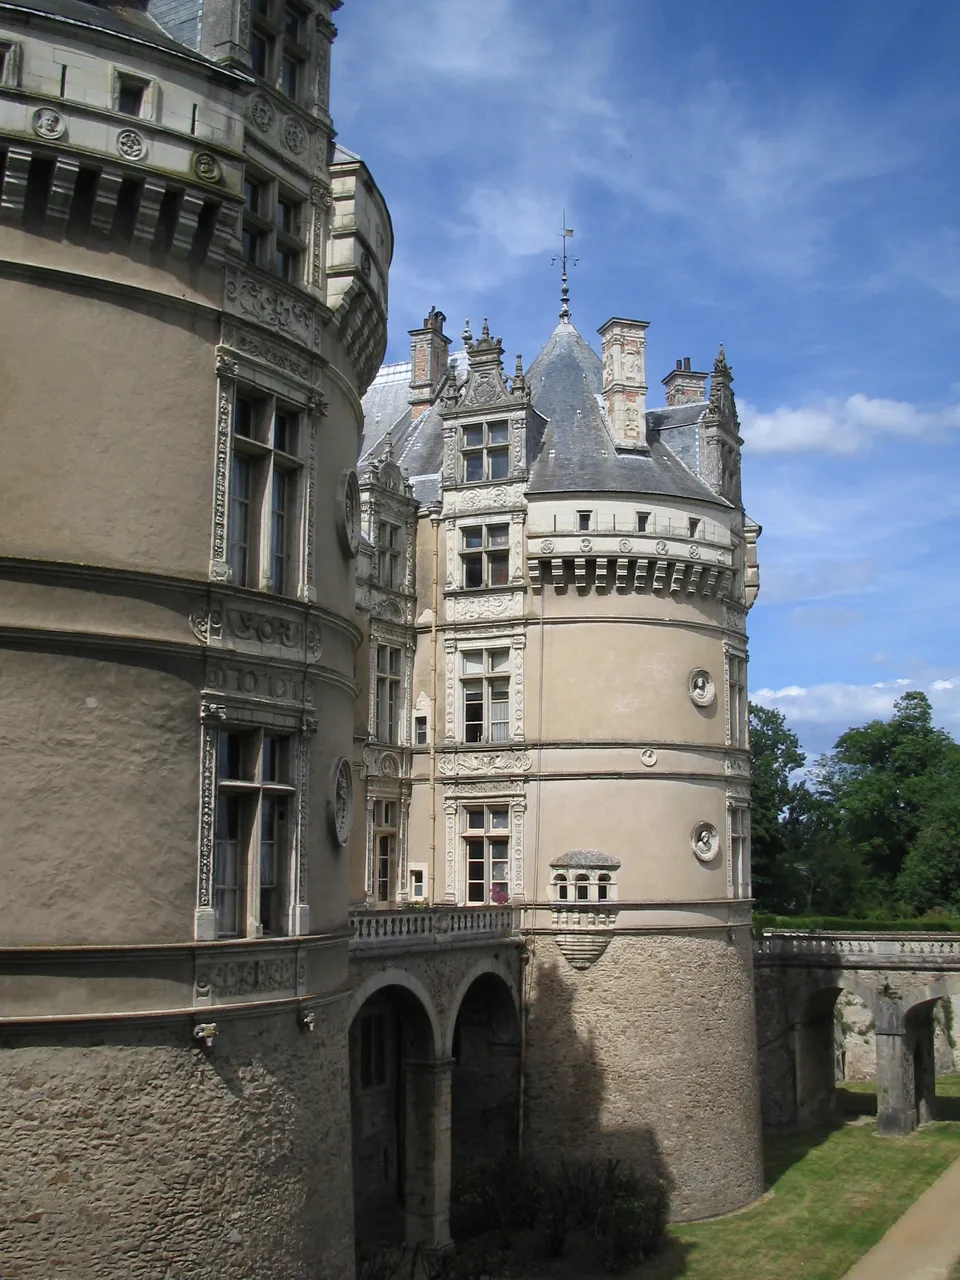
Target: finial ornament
x,y
561,257
467,336
485,333
388,447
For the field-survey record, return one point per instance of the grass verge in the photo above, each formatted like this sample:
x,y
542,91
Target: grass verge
x,y
835,1190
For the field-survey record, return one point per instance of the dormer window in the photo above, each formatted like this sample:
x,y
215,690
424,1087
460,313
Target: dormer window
x,y
485,451
590,874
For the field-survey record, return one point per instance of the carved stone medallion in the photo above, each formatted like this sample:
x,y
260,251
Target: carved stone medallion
x,y
293,135
130,145
703,691
348,514
48,123
705,841
648,758
207,167
340,801
261,113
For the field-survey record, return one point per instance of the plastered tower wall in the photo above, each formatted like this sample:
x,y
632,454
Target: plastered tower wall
x,y
192,302
572,735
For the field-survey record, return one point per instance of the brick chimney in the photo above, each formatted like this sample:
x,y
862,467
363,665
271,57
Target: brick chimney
x,y
428,361
624,349
684,385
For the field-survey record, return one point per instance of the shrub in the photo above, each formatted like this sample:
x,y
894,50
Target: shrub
x,y
630,1227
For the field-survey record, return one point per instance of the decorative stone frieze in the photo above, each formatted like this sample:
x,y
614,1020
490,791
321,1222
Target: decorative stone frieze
x,y
478,762
285,311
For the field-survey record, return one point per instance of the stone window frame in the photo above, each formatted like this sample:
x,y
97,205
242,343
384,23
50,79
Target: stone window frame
x,y
472,639
387,694
739,885
234,370
484,450
149,101
239,716
486,553
392,791
265,223
509,793
735,707
390,554
268,22
12,69
380,505
394,635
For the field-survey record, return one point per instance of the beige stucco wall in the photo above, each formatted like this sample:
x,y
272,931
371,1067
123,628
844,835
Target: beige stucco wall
x,y
108,455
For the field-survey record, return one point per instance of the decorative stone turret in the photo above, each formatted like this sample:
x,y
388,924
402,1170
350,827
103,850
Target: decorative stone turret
x,y
428,361
624,348
684,385
720,445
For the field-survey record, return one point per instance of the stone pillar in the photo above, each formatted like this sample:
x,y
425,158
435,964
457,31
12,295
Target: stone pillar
x,y
896,1105
427,1159
814,1069
919,1048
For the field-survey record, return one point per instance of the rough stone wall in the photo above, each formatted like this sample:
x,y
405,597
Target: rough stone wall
x,y
650,1056
775,1060
856,1041
130,1155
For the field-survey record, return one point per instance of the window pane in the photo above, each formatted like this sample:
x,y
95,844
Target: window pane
x,y
288,77
473,467
472,571
233,765
130,98
472,539
497,433
499,659
472,662
499,716
498,567
498,535
420,730
251,195
226,865
251,245
239,541
287,217
278,531
258,54
472,437
291,24
274,759
243,416
284,432
475,819
499,464
499,819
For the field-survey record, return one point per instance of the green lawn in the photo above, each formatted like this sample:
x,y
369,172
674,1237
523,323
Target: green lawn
x,y
834,1191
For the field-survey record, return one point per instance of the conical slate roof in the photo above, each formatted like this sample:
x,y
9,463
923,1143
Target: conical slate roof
x,y
577,453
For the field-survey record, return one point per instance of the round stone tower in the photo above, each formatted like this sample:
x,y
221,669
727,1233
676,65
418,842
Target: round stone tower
x,y
192,302
640,1018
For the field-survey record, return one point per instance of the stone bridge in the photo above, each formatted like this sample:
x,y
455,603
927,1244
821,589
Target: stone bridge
x,y
434,1059
898,976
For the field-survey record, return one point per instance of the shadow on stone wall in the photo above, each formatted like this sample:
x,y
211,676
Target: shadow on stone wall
x,y
567,1115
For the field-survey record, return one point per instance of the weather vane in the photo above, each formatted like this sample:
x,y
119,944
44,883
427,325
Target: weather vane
x,y
562,258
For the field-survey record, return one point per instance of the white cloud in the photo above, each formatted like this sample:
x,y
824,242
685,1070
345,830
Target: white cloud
x,y
821,712
841,426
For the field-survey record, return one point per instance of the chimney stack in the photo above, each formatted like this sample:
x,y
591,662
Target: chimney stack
x,y
624,349
684,385
428,361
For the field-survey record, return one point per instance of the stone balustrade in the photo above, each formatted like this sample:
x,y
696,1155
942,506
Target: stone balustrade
x,y
861,950
441,925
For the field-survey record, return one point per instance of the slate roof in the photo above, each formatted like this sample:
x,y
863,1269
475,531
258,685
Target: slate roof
x,y
578,454
130,21
586,858
575,452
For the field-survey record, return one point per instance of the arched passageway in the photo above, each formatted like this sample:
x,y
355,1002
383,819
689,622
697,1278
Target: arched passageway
x,y
815,1058
486,1075
399,1100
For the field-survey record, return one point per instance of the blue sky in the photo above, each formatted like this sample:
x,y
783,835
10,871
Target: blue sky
x,y
782,178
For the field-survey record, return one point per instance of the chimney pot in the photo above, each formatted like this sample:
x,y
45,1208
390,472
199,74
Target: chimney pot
x,y
686,363
684,385
679,364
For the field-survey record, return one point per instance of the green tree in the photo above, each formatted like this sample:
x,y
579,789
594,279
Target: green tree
x,y
875,790
776,809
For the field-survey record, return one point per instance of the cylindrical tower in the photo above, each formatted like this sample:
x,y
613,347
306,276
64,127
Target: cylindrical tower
x,y
640,1028
192,301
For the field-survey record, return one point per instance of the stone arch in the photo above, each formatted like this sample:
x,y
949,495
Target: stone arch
x,y
485,1057
491,965
830,980
941,987
397,978
398,1091
812,1031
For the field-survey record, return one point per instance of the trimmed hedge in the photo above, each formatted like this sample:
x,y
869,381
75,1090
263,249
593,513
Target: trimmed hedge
x,y
844,924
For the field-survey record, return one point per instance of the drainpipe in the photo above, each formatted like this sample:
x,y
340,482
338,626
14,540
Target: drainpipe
x,y
435,598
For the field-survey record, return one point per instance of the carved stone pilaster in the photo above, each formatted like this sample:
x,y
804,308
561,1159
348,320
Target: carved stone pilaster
x,y
450,689
449,454
517,810
451,528
211,716
516,546
300,908
227,373
517,646
402,887
450,823
368,861
307,590
322,202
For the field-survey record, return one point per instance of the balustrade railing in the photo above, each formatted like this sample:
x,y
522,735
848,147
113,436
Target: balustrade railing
x,y
434,924
892,949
